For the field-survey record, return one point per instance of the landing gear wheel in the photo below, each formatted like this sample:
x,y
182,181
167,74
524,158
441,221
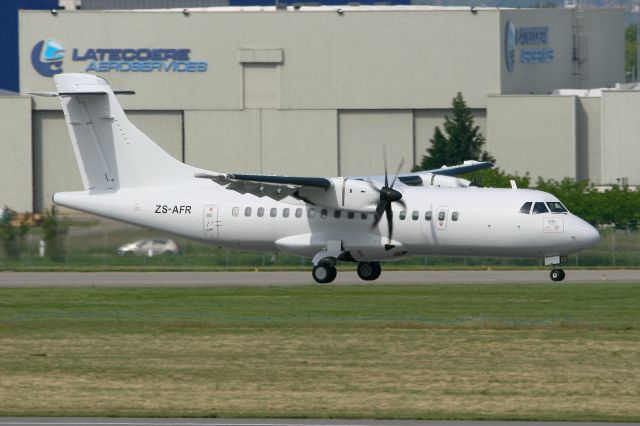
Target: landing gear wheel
x,y
324,273
557,275
369,271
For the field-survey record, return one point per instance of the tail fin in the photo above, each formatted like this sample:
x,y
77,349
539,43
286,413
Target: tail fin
x,y
111,152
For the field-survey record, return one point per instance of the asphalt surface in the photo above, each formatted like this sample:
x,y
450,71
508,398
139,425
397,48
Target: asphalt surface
x,y
227,279
58,421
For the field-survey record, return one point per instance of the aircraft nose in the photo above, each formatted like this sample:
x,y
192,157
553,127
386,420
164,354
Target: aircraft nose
x,y
587,235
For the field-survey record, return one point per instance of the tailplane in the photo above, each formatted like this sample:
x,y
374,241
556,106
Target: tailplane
x,y
111,152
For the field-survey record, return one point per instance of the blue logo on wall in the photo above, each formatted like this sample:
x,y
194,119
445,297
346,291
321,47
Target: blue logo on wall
x,y
46,57
510,45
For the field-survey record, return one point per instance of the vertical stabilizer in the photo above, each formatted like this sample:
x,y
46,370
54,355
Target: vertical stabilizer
x,y
111,152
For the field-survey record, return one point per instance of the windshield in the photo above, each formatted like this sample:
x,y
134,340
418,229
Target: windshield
x,y
556,207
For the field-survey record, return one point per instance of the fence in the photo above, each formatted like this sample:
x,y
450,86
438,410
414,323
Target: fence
x,y
93,244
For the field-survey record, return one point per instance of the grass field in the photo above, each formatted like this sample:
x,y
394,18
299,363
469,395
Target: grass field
x,y
563,352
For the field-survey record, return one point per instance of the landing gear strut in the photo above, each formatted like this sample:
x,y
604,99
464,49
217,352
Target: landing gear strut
x,y
369,271
557,275
324,273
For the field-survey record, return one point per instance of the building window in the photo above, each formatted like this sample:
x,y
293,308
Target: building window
x,y
427,215
311,213
324,213
273,212
298,212
260,211
415,215
247,211
454,216
235,211
285,212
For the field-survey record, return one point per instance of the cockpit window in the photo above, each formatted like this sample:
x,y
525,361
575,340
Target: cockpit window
x,y
556,207
539,208
526,207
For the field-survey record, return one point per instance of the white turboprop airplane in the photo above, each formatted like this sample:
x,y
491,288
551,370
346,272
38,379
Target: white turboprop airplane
x,y
129,178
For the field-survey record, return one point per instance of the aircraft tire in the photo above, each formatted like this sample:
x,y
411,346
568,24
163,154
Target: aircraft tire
x,y
323,273
557,275
369,271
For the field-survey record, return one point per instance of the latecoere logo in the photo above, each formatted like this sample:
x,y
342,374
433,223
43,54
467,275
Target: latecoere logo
x,y
46,57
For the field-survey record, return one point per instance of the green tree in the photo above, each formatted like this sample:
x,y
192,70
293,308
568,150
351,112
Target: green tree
x,y
497,178
630,35
12,232
461,140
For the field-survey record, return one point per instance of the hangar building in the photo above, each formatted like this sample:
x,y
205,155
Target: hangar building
x,y
307,90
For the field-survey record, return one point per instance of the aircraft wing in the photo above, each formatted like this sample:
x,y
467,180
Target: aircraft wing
x,y
414,179
275,187
307,188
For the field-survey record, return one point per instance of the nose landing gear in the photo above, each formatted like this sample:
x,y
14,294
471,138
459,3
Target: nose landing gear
x,y
557,275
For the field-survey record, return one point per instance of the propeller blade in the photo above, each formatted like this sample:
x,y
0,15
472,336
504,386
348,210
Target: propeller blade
x,y
393,182
384,157
402,203
389,213
381,207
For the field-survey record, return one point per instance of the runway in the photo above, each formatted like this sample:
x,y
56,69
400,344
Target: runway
x,y
72,421
230,279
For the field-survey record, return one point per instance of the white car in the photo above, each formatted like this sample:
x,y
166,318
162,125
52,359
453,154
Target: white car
x,y
150,247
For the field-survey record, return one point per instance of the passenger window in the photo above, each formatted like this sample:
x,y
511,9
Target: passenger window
x,y
427,215
363,216
403,215
285,212
337,214
556,207
324,213
260,211
415,215
539,208
273,212
526,208
351,215
311,213
298,212
441,215
454,216
247,211
235,211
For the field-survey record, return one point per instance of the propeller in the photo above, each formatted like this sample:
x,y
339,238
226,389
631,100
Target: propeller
x,y
388,195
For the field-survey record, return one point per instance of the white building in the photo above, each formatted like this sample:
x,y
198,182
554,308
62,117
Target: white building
x,y
311,91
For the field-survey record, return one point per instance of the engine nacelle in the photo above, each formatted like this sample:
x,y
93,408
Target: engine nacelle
x,y
345,194
442,181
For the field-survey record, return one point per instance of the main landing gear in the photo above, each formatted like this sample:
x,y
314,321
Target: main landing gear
x,y
369,271
325,271
557,275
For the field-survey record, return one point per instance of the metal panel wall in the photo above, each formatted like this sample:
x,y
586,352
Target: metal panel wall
x,y
263,141
15,153
363,134
620,133
533,134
